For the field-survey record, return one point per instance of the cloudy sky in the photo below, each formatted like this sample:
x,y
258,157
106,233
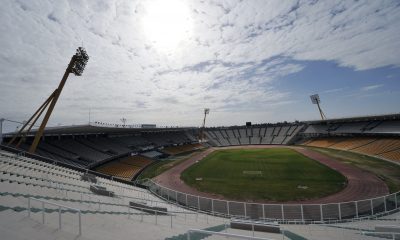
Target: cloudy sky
x,y
163,62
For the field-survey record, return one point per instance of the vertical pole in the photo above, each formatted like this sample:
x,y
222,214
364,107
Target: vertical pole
x,y
321,212
384,202
29,207
156,216
302,213
186,201
171,221
356,203
198,203
176,197
283,214
372,207
80,223
263,209
59,217
43,212
212,206
227,207
1,130
340,212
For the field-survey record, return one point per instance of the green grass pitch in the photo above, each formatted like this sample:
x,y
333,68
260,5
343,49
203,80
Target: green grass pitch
x,y
275,174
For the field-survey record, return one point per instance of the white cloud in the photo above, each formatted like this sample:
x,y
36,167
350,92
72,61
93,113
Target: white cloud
x,y
334,90
371,87
229,61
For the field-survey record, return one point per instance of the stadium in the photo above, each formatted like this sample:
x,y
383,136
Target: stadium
x,y
248,178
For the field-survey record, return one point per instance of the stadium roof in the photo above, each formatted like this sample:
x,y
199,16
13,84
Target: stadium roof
x,y
98,128
395,116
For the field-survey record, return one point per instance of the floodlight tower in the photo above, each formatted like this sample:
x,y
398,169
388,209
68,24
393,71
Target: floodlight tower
x,y
123,120
316,100
76,66
201,135
1,130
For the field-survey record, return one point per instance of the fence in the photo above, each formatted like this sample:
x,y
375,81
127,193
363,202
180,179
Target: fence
x,y
281,212
59,212
387,235
226,235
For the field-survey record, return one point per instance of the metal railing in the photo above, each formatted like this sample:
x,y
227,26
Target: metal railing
x,y
59,212
272,227
392,235
299,213
227,235
157,213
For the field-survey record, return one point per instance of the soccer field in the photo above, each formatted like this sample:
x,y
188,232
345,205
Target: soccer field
x,y
275,174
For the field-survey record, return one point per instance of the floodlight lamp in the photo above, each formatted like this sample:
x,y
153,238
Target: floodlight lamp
x,y
315,99
80,60
206,110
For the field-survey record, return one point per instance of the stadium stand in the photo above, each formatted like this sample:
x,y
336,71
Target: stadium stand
x,y
323,142
384,124
212,139
105,145
137,160
120,170
174,150
191,135
386,127
89,146
379,147
350,143
257,134
110,217
84,152
392,155
376,135
125,168
166,138
133,142
47,150
152,154
26,182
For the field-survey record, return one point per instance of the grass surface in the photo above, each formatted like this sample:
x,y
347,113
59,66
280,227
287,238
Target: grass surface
x,y
263,174
387,171
163,165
